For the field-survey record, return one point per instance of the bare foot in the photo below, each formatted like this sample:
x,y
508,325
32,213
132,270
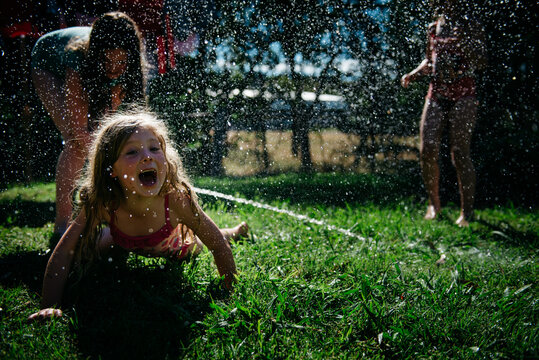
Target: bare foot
x,y
431,213
462,221
236,233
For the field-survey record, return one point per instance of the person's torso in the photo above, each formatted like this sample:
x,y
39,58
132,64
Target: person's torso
x,y
168,241
451,77
448,60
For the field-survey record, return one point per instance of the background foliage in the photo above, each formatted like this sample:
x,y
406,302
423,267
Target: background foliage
x,y
245,42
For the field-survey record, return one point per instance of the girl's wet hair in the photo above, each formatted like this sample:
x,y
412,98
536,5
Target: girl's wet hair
x,y
99,192
114,30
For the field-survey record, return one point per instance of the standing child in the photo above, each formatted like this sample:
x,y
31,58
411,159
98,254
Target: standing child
x,y
134,194
455,52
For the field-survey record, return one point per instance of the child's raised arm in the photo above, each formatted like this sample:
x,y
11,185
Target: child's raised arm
x,y
208,233
58,269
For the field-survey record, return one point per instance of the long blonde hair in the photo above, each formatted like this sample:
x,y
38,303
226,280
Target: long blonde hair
x,y
100,194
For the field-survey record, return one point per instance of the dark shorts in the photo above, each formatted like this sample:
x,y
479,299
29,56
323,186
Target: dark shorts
x,y
50,54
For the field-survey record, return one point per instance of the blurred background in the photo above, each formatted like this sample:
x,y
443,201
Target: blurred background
x,y
266,87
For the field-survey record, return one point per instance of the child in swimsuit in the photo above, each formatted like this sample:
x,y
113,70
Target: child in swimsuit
x,y
454,52
134,194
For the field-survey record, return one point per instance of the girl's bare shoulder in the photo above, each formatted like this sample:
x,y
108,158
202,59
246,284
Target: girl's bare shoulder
x,y
179,200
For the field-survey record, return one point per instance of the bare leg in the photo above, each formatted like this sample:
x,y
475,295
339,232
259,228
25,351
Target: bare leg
x,y
235,233
71,160
432,121
462,121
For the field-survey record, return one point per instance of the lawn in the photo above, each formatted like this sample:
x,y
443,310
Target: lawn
x,y
399,287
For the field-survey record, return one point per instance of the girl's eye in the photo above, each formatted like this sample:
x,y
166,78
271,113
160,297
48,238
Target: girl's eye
x,y
131,152
155,149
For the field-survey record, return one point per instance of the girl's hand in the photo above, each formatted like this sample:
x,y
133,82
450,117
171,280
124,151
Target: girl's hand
x,y
45,314
405,80
228,281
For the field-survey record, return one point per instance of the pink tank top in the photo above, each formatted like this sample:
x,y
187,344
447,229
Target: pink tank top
x,y
166,242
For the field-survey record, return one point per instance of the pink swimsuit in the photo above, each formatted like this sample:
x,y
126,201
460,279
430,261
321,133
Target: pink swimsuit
x,y
450,71
165,242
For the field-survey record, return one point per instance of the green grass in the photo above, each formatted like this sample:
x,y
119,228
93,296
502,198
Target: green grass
x,y
303,291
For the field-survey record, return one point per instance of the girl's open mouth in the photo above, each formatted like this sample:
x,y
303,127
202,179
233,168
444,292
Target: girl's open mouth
x,y
148,177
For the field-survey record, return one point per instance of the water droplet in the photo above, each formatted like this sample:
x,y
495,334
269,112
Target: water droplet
x,y
150,230
125,176
110,259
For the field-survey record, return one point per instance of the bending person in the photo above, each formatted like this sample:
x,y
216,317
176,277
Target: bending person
x,y
80,74
454,53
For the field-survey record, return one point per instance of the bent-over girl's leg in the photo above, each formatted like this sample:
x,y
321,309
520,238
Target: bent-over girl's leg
x,y
50,90
461,123
432,123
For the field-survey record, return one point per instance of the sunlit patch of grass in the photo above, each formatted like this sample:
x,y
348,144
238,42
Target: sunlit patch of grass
x,y
405,288
35,192
27,205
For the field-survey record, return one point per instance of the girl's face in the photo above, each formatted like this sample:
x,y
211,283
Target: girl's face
x,y
141,167
115,62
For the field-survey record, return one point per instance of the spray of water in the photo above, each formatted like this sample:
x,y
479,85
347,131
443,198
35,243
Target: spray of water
x,y
278,210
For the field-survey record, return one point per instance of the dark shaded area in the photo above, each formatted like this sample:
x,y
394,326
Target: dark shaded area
x,y
26,213
341,189
140,312
505,147
507,233
25,267
121,311
505,144
326,189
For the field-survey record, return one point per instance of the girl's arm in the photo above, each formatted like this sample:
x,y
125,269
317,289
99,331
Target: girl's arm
x,y
424,67
76,109
58,269
413,75
209,234
118,94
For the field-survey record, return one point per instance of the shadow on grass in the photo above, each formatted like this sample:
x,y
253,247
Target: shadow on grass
x,y
355,189
26,213
23,268
319,188
143,312
509,235
121,311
